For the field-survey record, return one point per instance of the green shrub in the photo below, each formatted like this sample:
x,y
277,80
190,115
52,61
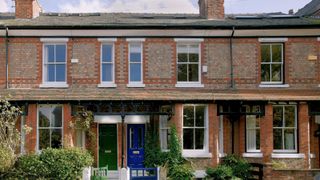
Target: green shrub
x,y
7,159
175,154
31,167
65,163
222,172
180,171
153,155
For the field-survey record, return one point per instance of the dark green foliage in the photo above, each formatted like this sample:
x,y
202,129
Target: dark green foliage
x,y
181,171
238,167
222,172
52,164
175,154
7,159
153,155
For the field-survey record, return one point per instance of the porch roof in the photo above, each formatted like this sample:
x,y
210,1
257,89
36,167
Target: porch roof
x,y
88,94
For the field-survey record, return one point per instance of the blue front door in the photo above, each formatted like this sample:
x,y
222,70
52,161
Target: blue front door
x,y
135,145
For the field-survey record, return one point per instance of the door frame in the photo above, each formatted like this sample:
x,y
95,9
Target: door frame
x,y
127,137
98,145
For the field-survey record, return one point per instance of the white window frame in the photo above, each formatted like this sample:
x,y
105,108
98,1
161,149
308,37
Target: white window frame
x,y
204,153
221,144
160,131
247,136
273,63
22,134
283,128
38,128
135,83
53,41
112,82
189,42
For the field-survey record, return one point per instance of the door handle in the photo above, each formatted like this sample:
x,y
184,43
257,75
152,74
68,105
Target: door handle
x,y
107,151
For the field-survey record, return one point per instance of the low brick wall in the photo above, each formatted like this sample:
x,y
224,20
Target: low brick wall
x,y
293,174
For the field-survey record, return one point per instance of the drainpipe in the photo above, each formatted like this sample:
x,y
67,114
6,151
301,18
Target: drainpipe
x,y
231,58
7,57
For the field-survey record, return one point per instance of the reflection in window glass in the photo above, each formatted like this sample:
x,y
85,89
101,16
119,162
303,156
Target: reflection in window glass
x,y
272,63
107,63
164,132
135,62
54,63
253,133
188,63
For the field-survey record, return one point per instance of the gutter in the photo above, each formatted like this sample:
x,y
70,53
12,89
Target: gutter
x,y
232,85
7,57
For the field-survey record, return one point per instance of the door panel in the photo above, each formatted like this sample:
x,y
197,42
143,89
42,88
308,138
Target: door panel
x,y
108,146
136,135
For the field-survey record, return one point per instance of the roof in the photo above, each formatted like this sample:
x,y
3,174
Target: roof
x,y
137,20
309,9
88,94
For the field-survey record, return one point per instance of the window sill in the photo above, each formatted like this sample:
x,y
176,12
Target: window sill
x,y
252,155
54,85
312,156
107,85
221,155
200,174
196,154
274,85
193,85
279,155
136,85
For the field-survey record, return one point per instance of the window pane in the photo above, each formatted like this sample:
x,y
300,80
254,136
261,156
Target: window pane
x,y
163,121
164,137
44,138
276,72
79,138
60,53
265,53
188,116
289,139
199,138
193,72
276,53
251,121
182,72
60,73
277,139
182,49
51,72
188,139
135,48
50,53
135,57
135,72
107,53
265,72
200,116
56,138
193,57
56,117
251,139
44,116
290,116
182,57
107,72
277,116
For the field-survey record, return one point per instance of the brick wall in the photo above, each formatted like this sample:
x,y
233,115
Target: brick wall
x,y
2,63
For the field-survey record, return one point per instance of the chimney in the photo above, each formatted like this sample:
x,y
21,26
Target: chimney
x,y
27,9
211,9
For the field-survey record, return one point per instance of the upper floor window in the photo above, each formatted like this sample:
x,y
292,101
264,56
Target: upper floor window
x,y
54,73
107,63
135,64
50,125
272,63
188,62
285,128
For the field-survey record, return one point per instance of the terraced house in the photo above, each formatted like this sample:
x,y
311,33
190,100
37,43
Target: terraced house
x,y
248,85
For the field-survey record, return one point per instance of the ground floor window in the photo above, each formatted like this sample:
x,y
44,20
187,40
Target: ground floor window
x,y
285,128
221,134
22,134
164,133
50,121
80,138
194,127
253,133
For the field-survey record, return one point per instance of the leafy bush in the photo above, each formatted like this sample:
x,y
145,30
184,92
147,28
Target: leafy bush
x,y
7,159
231,167
52,164
153,155
175,154
222,172
181,171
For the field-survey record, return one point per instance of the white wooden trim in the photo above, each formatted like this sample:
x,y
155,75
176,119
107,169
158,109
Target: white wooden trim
x,y
274,85
130,119
186,84
200,174
135,83
107,85
107,39
252,155
136,39
318,38
273,39
111,83
189,40
279,155
54,85
196,154
54,40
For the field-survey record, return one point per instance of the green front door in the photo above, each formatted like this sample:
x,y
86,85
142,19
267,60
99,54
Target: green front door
x,y
108,146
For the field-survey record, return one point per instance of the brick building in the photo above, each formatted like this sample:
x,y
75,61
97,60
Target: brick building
x,y
247,85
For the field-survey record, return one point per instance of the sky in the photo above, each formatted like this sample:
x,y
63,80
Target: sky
x,y
160,6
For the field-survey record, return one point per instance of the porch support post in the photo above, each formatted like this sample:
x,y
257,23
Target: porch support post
x,y
122,140
304,133
266,137
214,134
